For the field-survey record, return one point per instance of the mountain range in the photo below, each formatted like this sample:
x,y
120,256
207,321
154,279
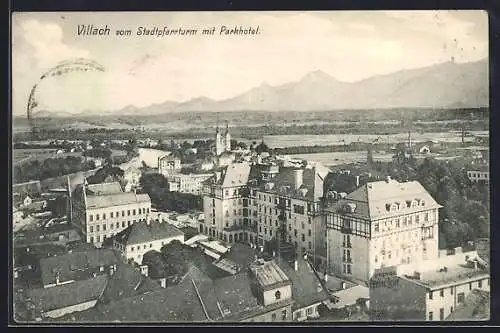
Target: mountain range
x,y
444,85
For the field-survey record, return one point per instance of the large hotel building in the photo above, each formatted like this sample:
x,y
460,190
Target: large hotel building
x,y
283,202
381,224
100,211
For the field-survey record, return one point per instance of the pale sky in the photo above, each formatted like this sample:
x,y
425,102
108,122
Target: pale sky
x,y
143,70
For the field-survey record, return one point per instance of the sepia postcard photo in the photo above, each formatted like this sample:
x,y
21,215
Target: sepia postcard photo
x,y
284,166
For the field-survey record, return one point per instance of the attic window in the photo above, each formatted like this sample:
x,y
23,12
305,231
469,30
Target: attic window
x,y
388,207
408,203
422,203
414,203
277,295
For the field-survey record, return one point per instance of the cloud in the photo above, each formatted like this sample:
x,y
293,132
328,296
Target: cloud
x,y
46,41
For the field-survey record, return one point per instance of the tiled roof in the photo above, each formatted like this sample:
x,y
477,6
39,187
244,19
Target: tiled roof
x,y
142,232
118,199
476,306
236,174
306,287
229,297
127,282
178,303
373,200
47,299
269,275
104,188
76,265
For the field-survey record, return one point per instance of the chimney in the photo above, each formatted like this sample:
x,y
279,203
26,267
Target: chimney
x,y
342,285
57,278
387,179
163,282
357,181
296,265
111,271
298,177
274,253
326,277
474,263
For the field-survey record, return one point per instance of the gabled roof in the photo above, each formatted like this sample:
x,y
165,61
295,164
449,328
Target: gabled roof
x,y
306,287
117,199
104,188
229,297
236,174
142,232
126,282
374,200
179,303
76,265
47,299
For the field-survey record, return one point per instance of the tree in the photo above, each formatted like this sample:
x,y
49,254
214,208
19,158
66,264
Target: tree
x,y
157,267
175,257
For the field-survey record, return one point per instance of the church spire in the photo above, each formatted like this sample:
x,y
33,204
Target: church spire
x,y
217,127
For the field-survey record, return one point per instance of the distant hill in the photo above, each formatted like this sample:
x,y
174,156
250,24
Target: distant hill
x,y
445,85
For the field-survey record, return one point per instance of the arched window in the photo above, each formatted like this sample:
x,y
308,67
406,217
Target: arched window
x,y
277,295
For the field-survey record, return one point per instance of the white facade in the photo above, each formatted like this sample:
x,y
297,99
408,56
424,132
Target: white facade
x,y
137,251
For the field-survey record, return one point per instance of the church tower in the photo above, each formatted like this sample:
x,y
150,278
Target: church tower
x,y
227,137
219,144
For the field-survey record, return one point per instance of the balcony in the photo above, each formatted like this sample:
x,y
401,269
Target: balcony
x,y
346,230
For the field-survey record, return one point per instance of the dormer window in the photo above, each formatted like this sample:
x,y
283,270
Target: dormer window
x,y
277,295
414,204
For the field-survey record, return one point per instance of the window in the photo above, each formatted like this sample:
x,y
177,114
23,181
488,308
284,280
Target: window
x,y
133,212
430,316
128,212
283,315
470,285
310,245
123,224
426,217
451,309
441,314
309,232
273,317
375,227
349,269
303,237
132,249
111,214
123,213
451,291
277,295
91,239
97,228
299,314
91,218
441,293
103,216
430,295
144,247
112,226
104,227
91,229
417,218
309,311
97,217
295,232
460,297
480,284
